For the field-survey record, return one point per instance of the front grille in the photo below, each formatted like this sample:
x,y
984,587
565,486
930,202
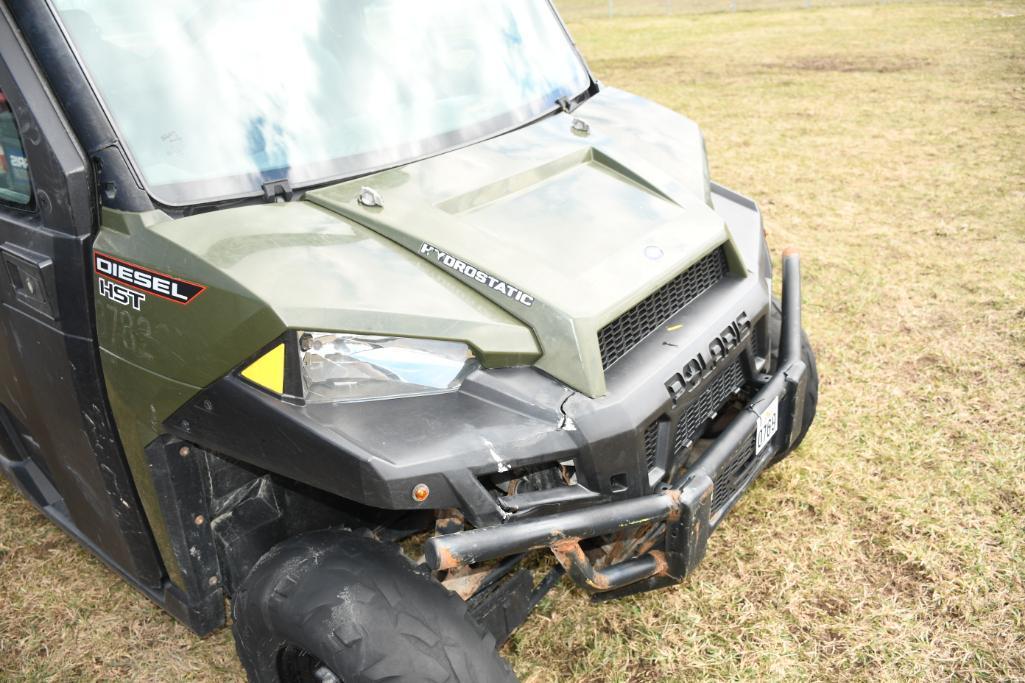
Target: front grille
x,y
732,474
714,396
623,333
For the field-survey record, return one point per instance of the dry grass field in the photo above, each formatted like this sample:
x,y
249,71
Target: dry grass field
x,y
888,144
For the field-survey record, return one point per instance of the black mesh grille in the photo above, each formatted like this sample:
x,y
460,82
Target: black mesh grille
x,y
733,473
651,443
619,336
714,396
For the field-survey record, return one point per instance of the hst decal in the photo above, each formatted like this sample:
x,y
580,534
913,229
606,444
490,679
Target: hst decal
x,y
120,294
143,280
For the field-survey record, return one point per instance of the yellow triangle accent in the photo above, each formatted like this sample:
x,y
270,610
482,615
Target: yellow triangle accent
x,y
269,371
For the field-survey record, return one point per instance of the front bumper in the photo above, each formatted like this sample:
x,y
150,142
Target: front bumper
x,y
688,511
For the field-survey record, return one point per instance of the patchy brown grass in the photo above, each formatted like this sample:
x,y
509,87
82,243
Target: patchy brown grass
x,y
888,143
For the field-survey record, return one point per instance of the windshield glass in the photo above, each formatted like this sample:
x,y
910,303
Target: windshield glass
x,y
214,99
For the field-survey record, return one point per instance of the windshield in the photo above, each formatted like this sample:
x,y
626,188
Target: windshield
x,y
214,99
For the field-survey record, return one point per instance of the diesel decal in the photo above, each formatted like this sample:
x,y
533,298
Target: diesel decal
x,y
472,273
145,280
703,363
120,294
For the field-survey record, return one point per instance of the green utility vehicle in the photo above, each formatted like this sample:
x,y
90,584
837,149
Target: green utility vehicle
x,y
335,312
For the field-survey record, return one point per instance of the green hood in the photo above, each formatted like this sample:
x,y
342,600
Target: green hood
x,y
564,231
580,227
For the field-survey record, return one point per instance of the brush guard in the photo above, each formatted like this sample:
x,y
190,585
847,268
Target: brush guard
x,y
686,509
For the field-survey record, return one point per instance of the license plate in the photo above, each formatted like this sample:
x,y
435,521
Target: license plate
x,y
768,423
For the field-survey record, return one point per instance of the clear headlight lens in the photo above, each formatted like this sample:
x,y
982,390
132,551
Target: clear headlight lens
x,y
350,367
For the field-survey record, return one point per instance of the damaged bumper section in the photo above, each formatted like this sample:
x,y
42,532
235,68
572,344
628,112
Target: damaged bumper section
x,y
683,514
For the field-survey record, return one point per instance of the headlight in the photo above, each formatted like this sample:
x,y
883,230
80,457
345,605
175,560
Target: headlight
x,y
332,367
349,367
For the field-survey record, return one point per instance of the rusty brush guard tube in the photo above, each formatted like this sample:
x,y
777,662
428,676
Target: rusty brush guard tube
x,y
481,545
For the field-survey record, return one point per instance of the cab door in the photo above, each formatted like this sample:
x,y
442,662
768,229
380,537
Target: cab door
x,y
57,443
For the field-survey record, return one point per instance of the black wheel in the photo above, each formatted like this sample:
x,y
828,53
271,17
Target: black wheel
x,y
811,397
331,606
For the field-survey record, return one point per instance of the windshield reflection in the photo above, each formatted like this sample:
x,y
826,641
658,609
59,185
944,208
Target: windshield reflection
x,y
215,99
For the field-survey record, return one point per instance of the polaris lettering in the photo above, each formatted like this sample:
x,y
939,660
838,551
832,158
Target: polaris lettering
x,y
701,365
144,280
477,275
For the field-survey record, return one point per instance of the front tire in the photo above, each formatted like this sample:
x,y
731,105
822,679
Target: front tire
x,y
333,606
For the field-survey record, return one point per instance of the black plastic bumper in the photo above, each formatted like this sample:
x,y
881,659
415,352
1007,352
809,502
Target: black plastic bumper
x,y
686,508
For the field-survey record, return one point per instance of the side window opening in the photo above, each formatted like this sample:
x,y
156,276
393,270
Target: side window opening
x,y
15,183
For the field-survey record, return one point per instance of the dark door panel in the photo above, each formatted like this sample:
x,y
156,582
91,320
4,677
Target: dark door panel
x,y
58,441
